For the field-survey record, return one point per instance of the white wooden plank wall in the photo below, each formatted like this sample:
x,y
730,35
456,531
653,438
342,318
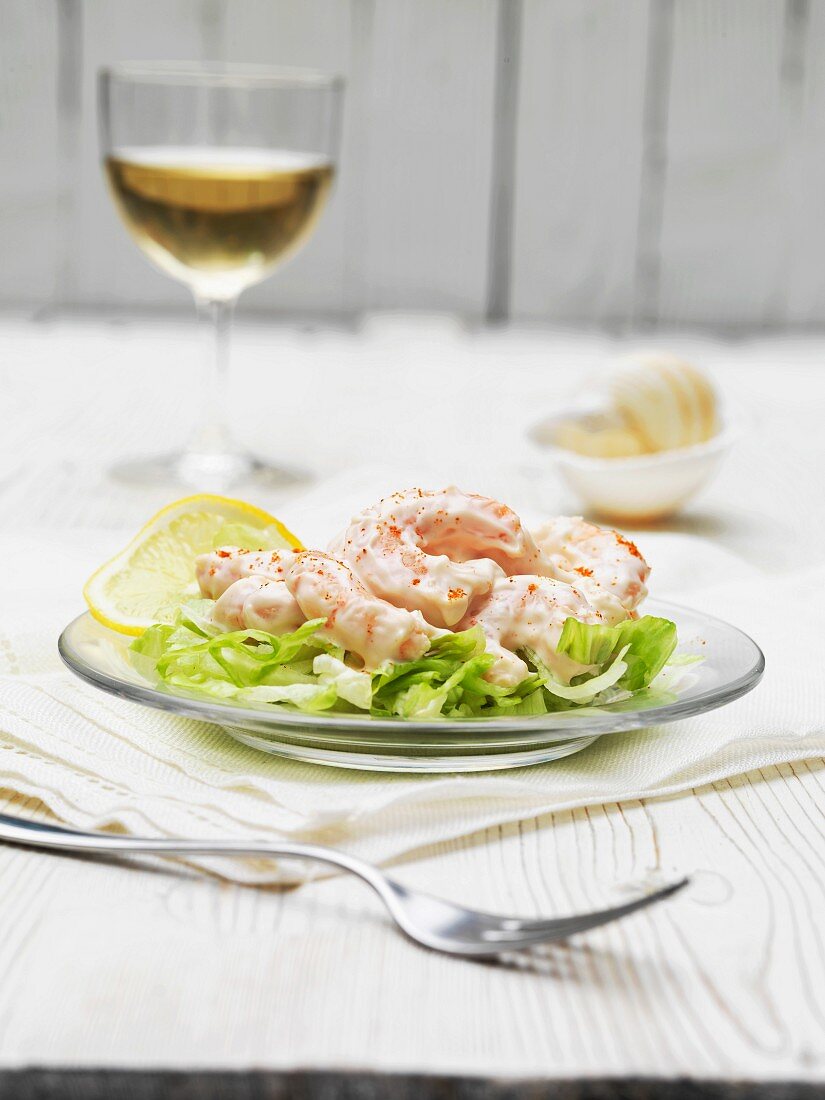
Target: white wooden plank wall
x,y
426,176
29,191
579,158
723,210
804,181
669,155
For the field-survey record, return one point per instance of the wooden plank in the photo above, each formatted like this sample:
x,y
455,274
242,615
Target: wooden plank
x,y
654,162
578,165
801,289
171,969
503,151
29,193
721,225
426,179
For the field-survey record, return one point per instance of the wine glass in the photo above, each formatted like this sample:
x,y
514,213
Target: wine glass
x,y
220,173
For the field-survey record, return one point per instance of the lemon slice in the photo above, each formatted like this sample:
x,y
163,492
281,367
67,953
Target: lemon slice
x,y
147,580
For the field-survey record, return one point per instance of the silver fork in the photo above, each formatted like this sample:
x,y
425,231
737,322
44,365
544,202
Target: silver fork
x,y
431,922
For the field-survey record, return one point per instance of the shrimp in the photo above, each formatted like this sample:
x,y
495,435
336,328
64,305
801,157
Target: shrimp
x,y
257,603
606,566
529,611
436,551
356,620
216,571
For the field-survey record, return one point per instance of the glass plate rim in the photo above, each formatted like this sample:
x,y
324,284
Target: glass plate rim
x,y
230,714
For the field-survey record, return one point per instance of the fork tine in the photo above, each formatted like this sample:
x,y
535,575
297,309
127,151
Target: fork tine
x,y
524,933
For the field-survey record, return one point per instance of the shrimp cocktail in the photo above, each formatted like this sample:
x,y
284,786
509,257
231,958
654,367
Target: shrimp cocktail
x,y
429,604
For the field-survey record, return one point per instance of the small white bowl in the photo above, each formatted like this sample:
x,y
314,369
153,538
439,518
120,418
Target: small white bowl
x,y
645,487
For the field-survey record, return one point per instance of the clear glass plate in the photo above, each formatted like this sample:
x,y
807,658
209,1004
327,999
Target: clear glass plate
x,y
732,665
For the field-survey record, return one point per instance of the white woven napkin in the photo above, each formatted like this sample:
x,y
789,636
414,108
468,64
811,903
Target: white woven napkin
x,y
98,761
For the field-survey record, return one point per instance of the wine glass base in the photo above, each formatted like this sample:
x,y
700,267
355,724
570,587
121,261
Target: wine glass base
x,y
209,471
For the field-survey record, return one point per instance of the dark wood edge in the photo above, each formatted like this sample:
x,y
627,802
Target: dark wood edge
x,y
121,1084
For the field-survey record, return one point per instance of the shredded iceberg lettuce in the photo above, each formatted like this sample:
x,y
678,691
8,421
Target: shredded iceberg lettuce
x,y
646,645
304,670
587,689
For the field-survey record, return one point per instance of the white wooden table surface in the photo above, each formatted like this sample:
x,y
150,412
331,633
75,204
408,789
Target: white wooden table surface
x,y
110,965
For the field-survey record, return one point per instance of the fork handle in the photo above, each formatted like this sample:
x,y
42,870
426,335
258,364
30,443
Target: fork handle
x,y
36,834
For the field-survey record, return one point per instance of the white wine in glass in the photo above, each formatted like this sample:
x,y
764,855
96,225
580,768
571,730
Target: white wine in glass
x,y
221,210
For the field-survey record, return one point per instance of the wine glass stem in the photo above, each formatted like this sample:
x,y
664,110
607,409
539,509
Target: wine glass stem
x,y
215,322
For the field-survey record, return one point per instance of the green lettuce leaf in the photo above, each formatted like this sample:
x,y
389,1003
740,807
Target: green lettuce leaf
x,y
587,689
648,644
227,663
304,670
